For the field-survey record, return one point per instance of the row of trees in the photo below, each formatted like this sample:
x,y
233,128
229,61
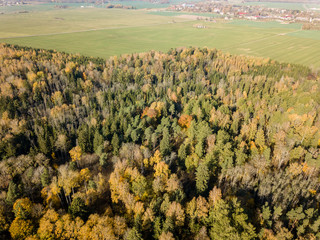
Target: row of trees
x,y
192,144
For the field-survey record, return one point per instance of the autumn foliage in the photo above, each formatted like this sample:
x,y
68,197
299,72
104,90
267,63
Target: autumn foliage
x,y
185,120
189,144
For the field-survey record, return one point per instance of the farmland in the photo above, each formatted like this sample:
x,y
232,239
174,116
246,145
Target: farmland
x,y
284,5
107,32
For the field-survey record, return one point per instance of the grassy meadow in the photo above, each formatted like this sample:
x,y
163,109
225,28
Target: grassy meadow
x,y
107,32
283,5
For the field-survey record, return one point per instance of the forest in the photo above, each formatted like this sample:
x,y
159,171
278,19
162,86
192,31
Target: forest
x,y
189,144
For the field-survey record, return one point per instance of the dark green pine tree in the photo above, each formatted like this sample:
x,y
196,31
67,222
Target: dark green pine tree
x,y
115,144
148,135
84,140
165,147
182,152
14,190
229,221
202,177
78,208
44,137
45,177
97,140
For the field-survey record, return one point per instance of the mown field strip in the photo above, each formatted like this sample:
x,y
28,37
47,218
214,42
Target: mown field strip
x,y
277,44
264,38
300,52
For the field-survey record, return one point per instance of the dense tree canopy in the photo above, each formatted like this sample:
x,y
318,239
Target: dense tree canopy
x,y
189,144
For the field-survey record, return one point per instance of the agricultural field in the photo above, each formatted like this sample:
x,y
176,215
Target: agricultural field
x,y
103,33
73,20
36,7
174,14
283,5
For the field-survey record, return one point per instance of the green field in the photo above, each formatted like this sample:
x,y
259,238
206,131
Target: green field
x,y
174,14
71,20
106,32
51,6
283,5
